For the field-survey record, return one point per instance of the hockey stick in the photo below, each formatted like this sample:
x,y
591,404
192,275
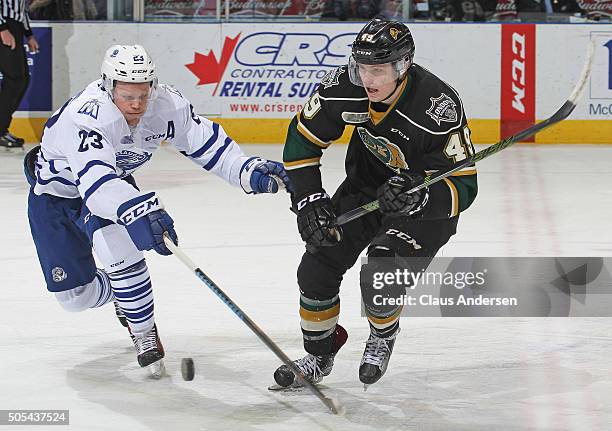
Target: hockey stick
x,y
247,321
561,114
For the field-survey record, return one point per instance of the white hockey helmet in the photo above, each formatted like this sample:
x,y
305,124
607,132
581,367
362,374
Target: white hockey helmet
x,y
127,63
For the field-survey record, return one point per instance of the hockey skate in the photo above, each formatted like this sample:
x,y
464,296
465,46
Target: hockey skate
x,y
11,142
150,352
376,357
313,368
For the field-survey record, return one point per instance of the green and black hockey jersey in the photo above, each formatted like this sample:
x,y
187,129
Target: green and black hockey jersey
x,y
423,131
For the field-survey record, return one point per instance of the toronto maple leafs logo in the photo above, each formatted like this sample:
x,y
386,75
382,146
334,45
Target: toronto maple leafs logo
x,y
91,108
384,150
129,161
332,77
206,67
442,109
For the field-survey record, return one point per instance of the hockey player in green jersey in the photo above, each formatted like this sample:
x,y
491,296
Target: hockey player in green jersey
x,y
408,123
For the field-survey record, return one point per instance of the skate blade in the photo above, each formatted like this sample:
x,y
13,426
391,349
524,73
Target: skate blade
x,y
290,388
157,369
12,150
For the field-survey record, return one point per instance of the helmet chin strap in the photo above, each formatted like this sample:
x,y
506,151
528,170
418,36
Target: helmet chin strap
x,y
398,82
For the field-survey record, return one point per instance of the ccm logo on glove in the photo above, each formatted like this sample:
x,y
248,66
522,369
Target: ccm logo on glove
x,y
312,198
142,208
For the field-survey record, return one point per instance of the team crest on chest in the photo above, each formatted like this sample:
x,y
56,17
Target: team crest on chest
x,y
384,150
129,160
442,109
332,78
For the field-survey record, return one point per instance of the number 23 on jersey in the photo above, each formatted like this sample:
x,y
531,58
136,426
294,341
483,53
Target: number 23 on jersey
x,y
91,139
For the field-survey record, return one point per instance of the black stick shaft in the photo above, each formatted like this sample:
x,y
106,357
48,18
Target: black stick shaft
x,y
248,322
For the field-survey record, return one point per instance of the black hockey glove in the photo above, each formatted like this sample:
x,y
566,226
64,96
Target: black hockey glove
x,y
394,200
316,220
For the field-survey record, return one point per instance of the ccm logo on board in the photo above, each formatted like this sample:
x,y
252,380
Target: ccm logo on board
x,y
518,78
518,72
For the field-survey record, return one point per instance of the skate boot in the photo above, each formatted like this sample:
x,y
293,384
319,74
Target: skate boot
x,y
10,142
120,315
376,357
150,352
16,139
312,367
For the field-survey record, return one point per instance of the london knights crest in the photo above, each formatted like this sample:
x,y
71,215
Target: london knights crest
x,y
442,109
384,150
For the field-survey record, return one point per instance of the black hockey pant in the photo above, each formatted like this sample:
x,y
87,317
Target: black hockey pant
x,y
320,272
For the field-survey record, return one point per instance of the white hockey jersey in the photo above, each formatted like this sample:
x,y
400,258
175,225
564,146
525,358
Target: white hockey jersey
x,y
87,147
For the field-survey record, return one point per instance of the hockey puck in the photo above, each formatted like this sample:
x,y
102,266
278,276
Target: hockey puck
x,y
187,369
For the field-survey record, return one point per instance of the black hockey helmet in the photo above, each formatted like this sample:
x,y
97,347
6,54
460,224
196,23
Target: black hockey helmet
x,y
383,41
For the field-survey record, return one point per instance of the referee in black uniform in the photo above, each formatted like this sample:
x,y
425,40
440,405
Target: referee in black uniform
x,y
14,27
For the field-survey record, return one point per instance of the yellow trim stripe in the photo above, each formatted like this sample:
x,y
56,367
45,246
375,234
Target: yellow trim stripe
x,y
454,197
462,173
381,323
274,130
309,135
318,316
301,163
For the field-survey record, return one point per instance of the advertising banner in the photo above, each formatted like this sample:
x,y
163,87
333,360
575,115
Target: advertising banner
x,y
508,75
270,70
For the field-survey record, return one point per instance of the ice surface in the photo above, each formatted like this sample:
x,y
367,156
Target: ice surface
x,y
445,373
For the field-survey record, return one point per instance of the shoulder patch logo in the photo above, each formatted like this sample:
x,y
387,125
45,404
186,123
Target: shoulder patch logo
x,y
442,109
384,150
170,89
355,117
91,108
58,274
333,77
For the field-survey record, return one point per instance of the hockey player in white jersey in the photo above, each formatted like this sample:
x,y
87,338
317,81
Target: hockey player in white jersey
x,y
83,195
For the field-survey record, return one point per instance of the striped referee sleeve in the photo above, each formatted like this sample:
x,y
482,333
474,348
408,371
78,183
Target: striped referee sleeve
x,y
16,10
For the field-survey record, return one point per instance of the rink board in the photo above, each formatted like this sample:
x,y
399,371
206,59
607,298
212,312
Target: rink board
x,y
508,75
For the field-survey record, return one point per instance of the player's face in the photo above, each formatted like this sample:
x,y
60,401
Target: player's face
x,y
132,100
379,80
